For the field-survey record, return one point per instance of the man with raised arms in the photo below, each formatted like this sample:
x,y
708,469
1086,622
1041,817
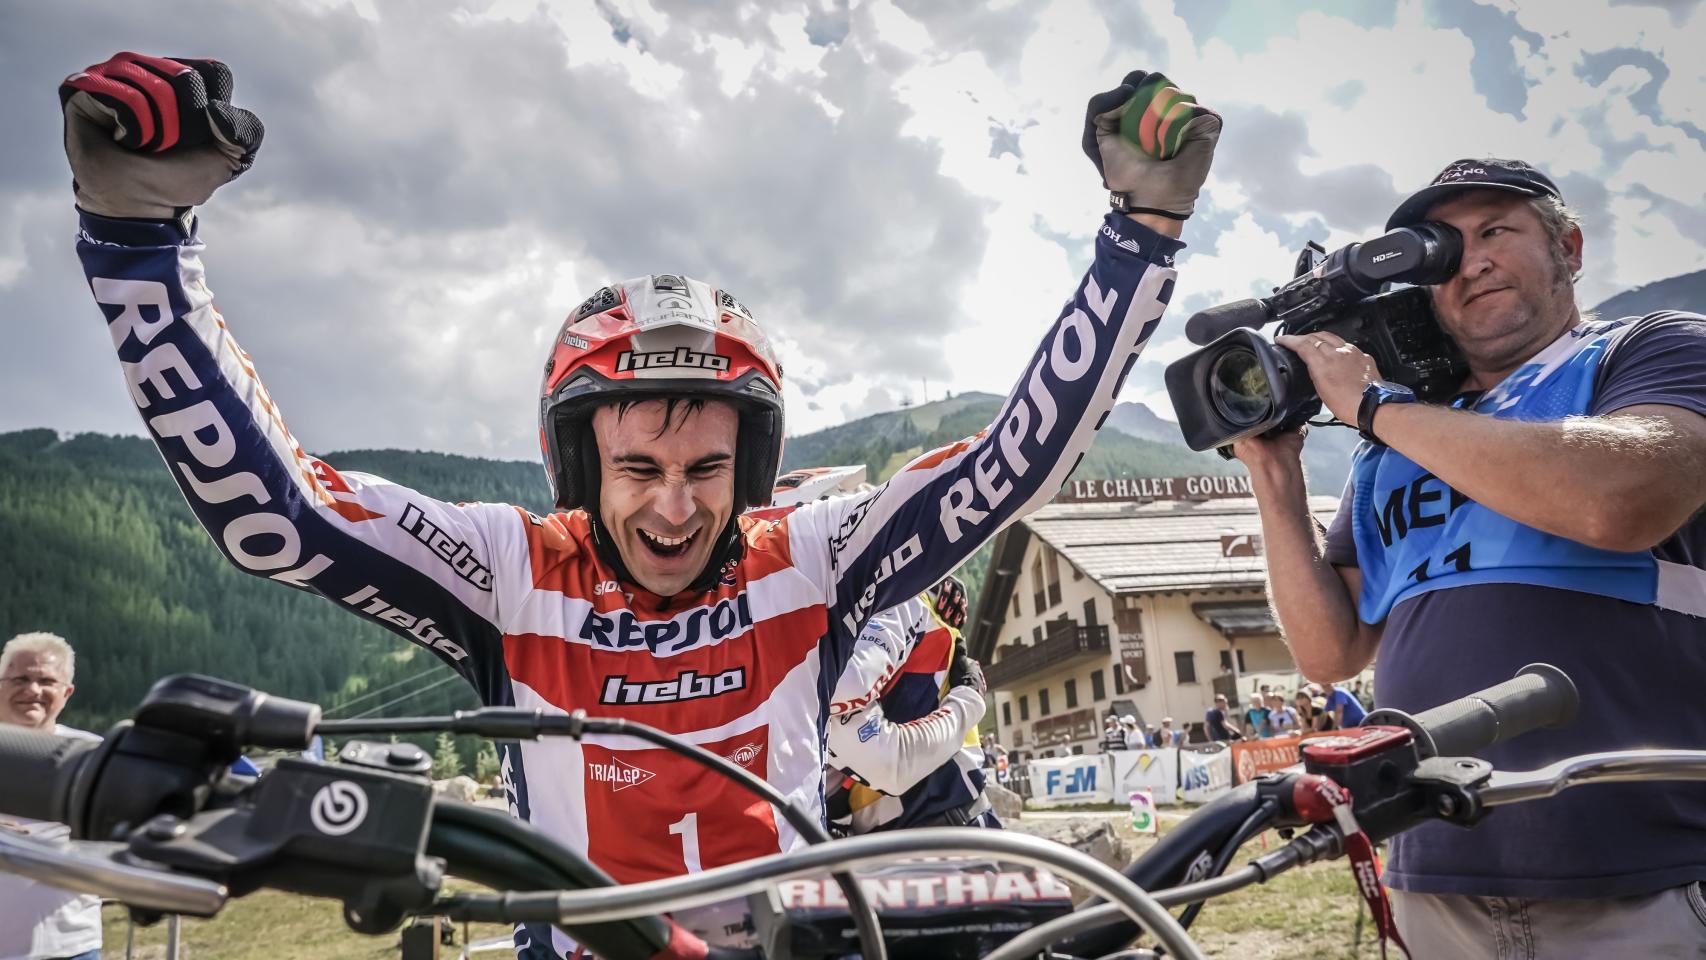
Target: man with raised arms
x,y
648,596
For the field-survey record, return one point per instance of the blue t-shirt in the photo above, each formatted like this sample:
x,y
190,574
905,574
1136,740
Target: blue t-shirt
x,y
1354,711
1638,666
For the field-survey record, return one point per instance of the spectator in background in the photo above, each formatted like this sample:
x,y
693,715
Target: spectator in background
x,y
1256,725
1346,709
1113,735
1282,719
1320,717
1167,736
36,921
1215,720
1135,739
1306,716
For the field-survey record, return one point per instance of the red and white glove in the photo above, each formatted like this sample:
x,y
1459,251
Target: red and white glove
x,y
151,137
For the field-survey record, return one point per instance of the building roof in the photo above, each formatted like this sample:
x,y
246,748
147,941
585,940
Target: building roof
x,y
1162,545
1132,547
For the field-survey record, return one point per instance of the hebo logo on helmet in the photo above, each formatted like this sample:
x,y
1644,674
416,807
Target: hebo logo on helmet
x,y
679,357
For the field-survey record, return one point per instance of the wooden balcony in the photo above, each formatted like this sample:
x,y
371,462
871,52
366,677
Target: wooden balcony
x,y
1065,643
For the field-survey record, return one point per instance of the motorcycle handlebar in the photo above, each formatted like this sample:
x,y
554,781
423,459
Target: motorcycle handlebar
x,y
40,770
1540,695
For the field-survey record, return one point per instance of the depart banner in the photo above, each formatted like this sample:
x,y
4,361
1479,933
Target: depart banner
x,y
1154,770
1252,758
1080,779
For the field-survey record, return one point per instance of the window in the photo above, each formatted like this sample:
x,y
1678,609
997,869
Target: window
x,y
1072,693
1225,661
1015,603
1007,714
1053,578
1037,589
1024,708
1037,633
1185,666
1098,686
1077,750
1042,703
1241,667
1119,678
1090,618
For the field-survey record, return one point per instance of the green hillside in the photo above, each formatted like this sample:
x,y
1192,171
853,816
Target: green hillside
x,y
885,442
96,544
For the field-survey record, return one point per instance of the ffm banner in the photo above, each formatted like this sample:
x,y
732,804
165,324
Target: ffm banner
x,y
1060,780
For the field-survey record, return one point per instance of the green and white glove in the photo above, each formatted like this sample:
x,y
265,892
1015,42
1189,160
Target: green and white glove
x,y
1152,143
150,137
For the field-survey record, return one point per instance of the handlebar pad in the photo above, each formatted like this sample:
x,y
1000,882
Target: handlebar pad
x,y
1540,695
37,770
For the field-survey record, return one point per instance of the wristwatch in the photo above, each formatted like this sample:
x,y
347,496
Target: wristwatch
x,y
1374,396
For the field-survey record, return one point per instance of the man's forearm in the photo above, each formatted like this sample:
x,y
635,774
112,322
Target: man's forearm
x,y
1620,482
1317,614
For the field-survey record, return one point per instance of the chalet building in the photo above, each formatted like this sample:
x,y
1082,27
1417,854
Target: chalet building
x,y
1137,596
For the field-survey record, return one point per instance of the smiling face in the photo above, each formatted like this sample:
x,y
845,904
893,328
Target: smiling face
x,y
33,690
1511,295
667,487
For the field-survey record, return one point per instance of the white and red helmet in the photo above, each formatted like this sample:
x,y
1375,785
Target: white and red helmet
x,y
659,337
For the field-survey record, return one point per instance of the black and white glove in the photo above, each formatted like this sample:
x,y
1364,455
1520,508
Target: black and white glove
x,y
151,137
1152,143
963,671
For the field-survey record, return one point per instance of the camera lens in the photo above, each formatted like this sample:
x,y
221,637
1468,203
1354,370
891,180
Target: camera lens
x,y
1239,388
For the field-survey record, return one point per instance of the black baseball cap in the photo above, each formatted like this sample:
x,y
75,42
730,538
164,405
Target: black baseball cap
x,y
1487,173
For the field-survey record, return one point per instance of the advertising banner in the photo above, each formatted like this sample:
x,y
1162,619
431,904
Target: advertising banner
x,y
1204,775
1252,758
1060,780
1154,770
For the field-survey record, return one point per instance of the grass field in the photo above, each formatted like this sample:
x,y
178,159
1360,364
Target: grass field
x,y
1311,912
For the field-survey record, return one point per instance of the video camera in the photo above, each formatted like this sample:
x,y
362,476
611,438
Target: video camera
x,y
1243,384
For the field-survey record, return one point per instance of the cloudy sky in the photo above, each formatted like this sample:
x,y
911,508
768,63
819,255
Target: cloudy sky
x,y
894,186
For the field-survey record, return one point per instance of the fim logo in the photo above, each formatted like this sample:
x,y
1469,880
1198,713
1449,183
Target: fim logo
x,y
618,774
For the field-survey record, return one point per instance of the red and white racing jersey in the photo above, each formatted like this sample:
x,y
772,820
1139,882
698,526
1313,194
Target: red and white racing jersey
x,y
745,670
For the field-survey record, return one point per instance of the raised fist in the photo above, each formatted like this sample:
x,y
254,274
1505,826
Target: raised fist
x,y
151,137
948,598
1152,143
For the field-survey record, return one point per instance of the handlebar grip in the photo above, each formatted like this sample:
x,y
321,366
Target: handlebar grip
x,y
37,771
1540,695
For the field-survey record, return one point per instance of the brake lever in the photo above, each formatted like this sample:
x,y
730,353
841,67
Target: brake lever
x,y
98,868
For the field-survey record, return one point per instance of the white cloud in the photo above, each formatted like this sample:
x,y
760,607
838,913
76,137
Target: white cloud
x,y
442,183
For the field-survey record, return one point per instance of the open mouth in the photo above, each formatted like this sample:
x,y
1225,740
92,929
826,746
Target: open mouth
x,y
667,546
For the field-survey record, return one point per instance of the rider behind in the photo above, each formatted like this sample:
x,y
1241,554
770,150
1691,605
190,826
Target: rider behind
x,y
649,596
908,746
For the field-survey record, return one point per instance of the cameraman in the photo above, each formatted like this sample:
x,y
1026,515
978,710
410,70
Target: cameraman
x,y
1550,512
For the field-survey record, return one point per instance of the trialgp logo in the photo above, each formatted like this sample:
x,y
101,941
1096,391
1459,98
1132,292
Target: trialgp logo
x,y
617,774
687,685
